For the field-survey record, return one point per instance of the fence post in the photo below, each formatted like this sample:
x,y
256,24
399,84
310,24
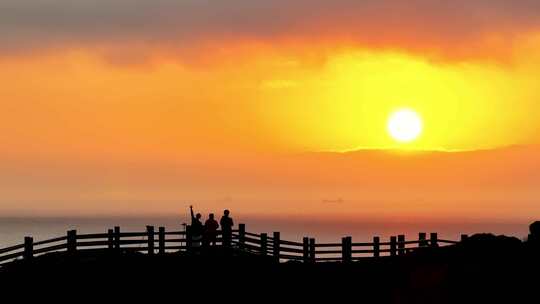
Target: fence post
x,y
150,237
264,244
376,247
117,238
464,237
110,239
433,239
305,249
161,240
346,249
393,242
241,236
28,248
189,238
401,244
422,239
312,250
72,241
276,245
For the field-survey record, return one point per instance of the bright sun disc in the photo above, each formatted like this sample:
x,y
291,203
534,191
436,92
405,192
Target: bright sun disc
x,y
405,125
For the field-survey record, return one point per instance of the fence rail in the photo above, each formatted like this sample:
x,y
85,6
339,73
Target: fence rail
x,y
161,242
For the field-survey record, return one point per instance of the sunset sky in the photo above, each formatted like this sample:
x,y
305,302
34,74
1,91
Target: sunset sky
x,y
132,106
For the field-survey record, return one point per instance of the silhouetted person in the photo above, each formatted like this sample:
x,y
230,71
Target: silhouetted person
x,y
210,230
226,223
534,236
196,228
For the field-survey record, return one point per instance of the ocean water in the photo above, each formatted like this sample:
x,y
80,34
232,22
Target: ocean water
x,y
14,229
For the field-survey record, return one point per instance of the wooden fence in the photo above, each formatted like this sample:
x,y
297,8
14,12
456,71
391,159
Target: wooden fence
x,y
161,241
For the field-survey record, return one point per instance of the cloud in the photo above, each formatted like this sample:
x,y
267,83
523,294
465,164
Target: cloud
x,y
452,28
278,84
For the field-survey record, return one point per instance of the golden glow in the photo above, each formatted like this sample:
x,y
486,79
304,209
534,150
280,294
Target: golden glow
x,y
405,125
264,101
171,130
345,105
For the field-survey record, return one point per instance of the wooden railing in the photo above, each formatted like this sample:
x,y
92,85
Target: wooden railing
x,y
161,242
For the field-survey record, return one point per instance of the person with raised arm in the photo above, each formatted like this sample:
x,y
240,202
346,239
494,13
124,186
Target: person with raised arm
x,y
196,229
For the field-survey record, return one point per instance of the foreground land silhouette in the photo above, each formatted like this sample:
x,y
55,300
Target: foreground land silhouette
x,y
482,269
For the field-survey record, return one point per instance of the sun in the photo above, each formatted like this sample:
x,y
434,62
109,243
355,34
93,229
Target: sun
x,y
405,125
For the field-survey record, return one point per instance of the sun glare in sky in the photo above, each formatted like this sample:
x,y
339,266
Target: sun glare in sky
x,y
236,99
405,125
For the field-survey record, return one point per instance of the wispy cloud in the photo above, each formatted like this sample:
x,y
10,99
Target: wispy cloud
x,y
278,84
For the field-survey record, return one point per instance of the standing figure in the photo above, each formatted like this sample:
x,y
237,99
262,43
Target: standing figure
x,y
226,228
196,229
210,230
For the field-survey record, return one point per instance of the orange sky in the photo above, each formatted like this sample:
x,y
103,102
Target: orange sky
x,y
128,106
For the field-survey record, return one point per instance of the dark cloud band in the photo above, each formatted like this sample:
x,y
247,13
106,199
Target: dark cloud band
x,y
28,24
